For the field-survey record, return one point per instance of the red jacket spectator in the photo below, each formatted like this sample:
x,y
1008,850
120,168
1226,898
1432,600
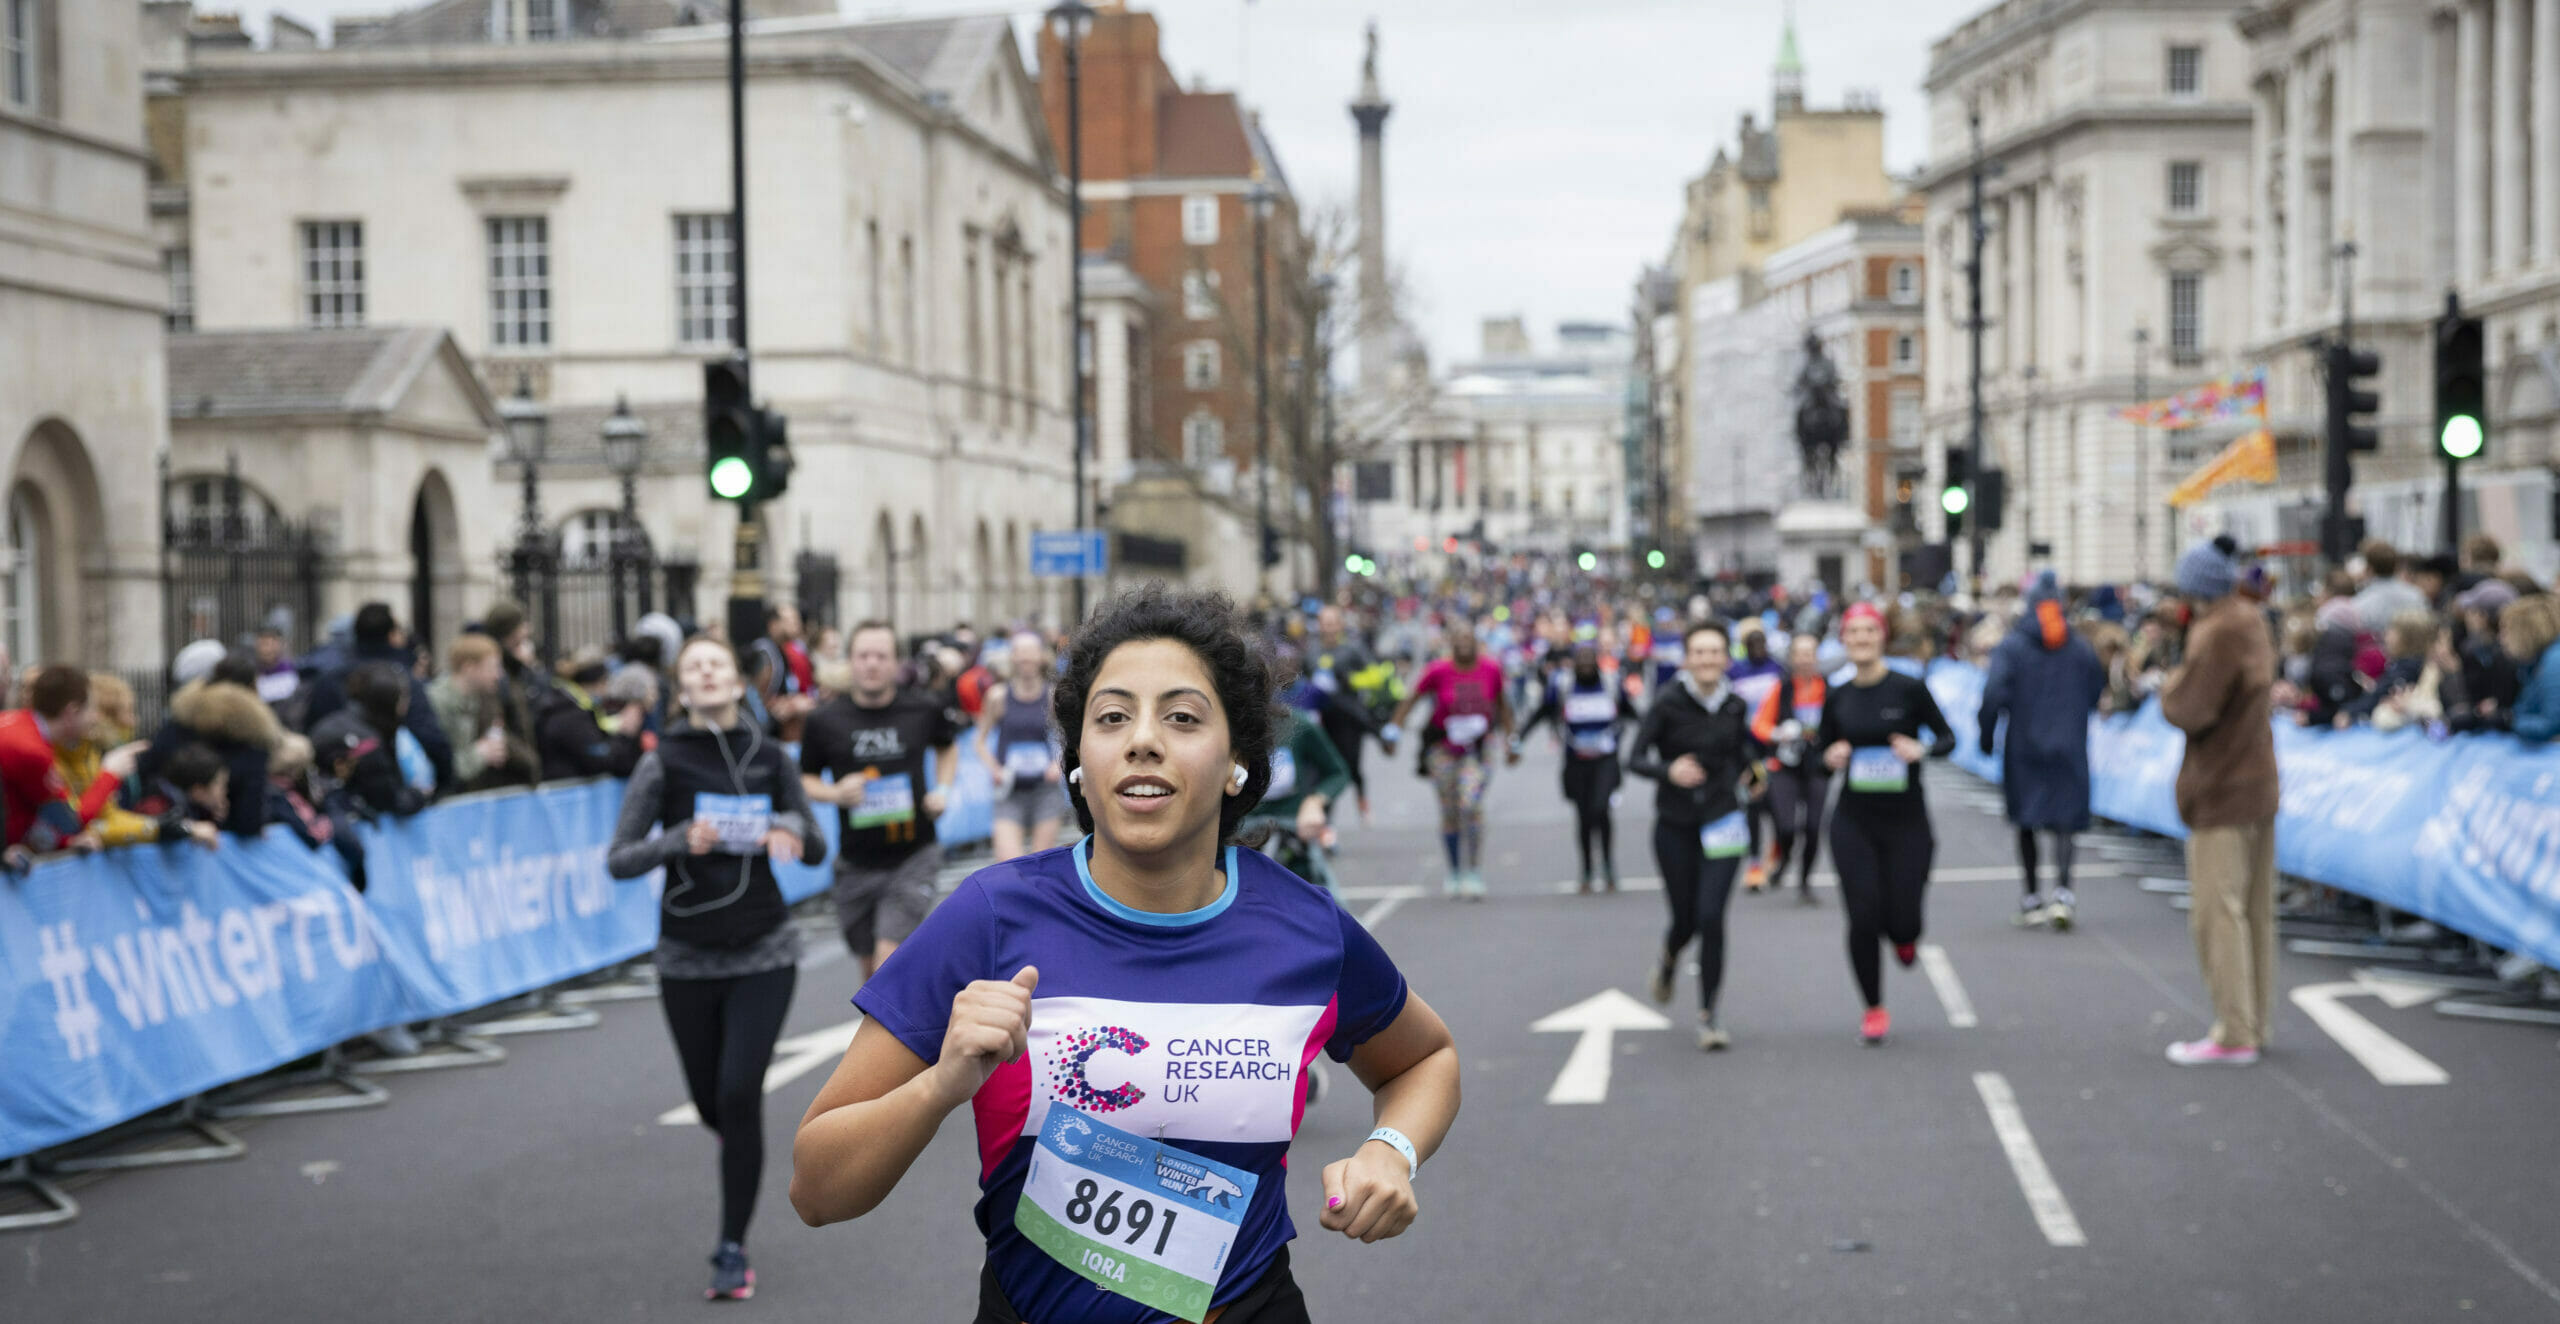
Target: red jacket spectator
x,y
57,712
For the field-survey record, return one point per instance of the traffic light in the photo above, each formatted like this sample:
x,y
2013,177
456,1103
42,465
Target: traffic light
x,y
1955,496
1991,494
1587,561
2462,384
1270,546
2351,399
746,449
1655,559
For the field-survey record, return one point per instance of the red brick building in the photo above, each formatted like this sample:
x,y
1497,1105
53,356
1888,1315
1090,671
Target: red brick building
x,y
1167,174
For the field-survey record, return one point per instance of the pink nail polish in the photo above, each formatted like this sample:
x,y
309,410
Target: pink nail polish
x,y
1334,1203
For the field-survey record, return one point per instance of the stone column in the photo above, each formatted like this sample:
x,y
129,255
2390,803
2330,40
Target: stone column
x,y
2546,131
1111,439
2263,155
2510,116
2302,248
2471,143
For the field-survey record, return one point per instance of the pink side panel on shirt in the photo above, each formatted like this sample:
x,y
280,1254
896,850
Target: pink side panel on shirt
x,y
1002,1105
1315,1044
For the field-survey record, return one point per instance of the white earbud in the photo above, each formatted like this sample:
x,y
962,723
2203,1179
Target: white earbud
x,y
1075,777
1240,776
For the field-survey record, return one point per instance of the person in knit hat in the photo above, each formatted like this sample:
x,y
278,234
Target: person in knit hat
x,y
2221,696
2046,680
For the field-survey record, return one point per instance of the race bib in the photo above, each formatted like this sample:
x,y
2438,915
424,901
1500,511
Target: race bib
x,y
1726,838
888,798
742,820
1594,744
1324,681
1027,762
1284,775
1581,709
1878,769
1810,714
1135,1217
1466,728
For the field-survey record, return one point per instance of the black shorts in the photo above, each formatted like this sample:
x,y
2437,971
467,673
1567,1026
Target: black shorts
x,y
1274,1298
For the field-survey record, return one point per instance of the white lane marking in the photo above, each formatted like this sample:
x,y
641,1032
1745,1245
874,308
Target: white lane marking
x,y
2044,1198
1942,977
793,1058
2391,1061
1598,1018
1395,896
1990,873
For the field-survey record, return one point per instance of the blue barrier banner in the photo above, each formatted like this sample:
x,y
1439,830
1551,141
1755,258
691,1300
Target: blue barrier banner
x,y
134,978
2463,832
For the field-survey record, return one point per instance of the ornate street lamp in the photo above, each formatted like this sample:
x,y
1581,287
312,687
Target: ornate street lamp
x,y
625,438
528,436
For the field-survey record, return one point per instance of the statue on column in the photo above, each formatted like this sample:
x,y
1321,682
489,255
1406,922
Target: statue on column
x,y
1822,419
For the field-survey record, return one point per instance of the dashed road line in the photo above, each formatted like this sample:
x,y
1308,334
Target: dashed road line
x,y
1942,977
2044,1197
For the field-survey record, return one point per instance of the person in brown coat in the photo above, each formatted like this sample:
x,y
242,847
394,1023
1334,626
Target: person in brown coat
x,y
2221,697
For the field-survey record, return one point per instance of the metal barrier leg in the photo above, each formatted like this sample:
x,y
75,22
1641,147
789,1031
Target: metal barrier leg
x,y
247,1099
2530,995
634,981
442,1047
537,1013
188,1118
58,1208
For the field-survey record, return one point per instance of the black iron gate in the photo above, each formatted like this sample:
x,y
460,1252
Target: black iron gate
x,y
225,571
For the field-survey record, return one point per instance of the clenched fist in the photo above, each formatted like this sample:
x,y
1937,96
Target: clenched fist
x,y
990,1026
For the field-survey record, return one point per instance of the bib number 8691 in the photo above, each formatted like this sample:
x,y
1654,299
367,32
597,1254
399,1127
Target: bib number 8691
x,y
1107,1219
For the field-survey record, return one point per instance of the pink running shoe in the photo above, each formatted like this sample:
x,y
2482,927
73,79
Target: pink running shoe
x,y
1876,1026
2207,1053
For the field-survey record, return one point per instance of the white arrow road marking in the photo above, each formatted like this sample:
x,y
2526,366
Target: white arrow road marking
x,y
2391,1061
1942,977
2044,1198
2399,994
1598,1018
793,1058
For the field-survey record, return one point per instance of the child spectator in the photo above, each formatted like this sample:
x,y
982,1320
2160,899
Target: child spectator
x,y
2406,640
191,797
350,743
110,752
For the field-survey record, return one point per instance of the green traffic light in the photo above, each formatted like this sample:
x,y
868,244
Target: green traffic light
x,y
2461,438
1352,564
1655,558
1586,561
730,477
1955,499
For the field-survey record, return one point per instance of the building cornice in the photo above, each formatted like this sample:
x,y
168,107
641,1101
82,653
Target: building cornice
x,y
2152,115
45,126
1996,31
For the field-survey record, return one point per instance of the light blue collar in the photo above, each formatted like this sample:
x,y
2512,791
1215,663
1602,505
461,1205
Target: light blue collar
x,y
1186,919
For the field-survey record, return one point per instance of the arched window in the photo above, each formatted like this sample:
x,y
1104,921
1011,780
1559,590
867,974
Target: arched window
x,y
586,538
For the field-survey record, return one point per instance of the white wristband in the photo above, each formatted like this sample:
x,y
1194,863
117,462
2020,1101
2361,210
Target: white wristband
x,y
1396,1141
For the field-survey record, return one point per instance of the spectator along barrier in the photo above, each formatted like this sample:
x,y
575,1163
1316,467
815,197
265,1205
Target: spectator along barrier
x,y
2463,832
134,979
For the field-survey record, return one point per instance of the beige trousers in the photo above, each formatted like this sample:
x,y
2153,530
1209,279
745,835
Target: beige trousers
x,y
2232,874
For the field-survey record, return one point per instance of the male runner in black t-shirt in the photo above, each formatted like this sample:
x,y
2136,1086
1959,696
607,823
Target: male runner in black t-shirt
x,y
873,742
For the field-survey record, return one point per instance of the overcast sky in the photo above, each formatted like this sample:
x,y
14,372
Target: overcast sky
x,y
1536,153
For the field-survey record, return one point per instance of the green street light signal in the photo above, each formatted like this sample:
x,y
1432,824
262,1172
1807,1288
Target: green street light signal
x,y
1587,561
1352,564
731,477
2462,436
1655,558
1954,500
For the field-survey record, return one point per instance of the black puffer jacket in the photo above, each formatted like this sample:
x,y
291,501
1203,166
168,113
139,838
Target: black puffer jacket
x,y
236,724
1720,740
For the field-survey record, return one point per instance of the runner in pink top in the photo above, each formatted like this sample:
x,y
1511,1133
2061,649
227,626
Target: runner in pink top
x,y
1468,710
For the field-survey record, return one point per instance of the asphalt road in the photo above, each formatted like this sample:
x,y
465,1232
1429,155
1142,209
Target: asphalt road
x,y
1797,1177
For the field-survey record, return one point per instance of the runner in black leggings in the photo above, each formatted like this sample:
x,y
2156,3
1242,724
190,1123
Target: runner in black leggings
x,y
1798,783
1696,741
728,802
1880,837
1588,709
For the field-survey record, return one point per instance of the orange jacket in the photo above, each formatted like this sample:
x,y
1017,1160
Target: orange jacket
x,y
1764,724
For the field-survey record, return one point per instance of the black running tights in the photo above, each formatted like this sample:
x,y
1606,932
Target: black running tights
x,y
1698,889
1593,829
1795,812
2062,850
1883,861
724,1031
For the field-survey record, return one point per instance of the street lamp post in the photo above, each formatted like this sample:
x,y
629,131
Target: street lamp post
x,y
2141,456
1259,198
528,435
1070,20
625,437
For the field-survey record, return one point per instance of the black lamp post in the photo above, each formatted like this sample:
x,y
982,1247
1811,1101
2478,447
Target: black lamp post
x,y
625,437
528,435
1259,198
1070,20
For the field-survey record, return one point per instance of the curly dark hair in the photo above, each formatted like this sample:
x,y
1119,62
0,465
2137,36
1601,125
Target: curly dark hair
x,y
1241,667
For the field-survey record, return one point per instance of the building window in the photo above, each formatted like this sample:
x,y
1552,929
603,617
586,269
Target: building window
x,y
519,282
1204,439
1905,284
1904,426
907,297
332,274
2186,187
706,280
975,344
18,53
2186,317
1030,351
179,265
1906,351
1200,365
1200,218
871,268
2186,73
528,20
1200,295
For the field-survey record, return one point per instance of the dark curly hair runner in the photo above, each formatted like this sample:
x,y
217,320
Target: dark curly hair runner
x,y
1248,680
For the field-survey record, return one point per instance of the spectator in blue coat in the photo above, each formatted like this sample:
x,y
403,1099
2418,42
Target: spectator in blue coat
x,y
2530,631
2045,680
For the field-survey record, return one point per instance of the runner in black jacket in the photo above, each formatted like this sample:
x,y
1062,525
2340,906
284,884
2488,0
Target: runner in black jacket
x,y
1696,742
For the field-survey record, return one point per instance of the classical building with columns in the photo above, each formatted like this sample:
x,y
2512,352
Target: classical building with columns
x,y
2426,134
2116,135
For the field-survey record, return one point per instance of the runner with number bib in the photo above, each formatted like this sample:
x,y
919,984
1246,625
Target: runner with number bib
x,y
1589,708
1696,743
873,741
1013,746
1798,783
1129,1017
1468,712
713,805
1880,837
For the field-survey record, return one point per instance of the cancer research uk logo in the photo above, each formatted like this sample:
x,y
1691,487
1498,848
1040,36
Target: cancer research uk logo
x,y
1066,1069
1064,1134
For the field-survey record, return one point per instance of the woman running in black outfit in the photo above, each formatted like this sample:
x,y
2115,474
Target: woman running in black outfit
x,y
1696,741
1880,837
1588,709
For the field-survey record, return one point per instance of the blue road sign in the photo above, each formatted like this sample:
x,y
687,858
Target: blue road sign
x,y
1069,554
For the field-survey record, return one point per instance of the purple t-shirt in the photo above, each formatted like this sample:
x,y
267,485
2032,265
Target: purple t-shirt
x,y
1225,1007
